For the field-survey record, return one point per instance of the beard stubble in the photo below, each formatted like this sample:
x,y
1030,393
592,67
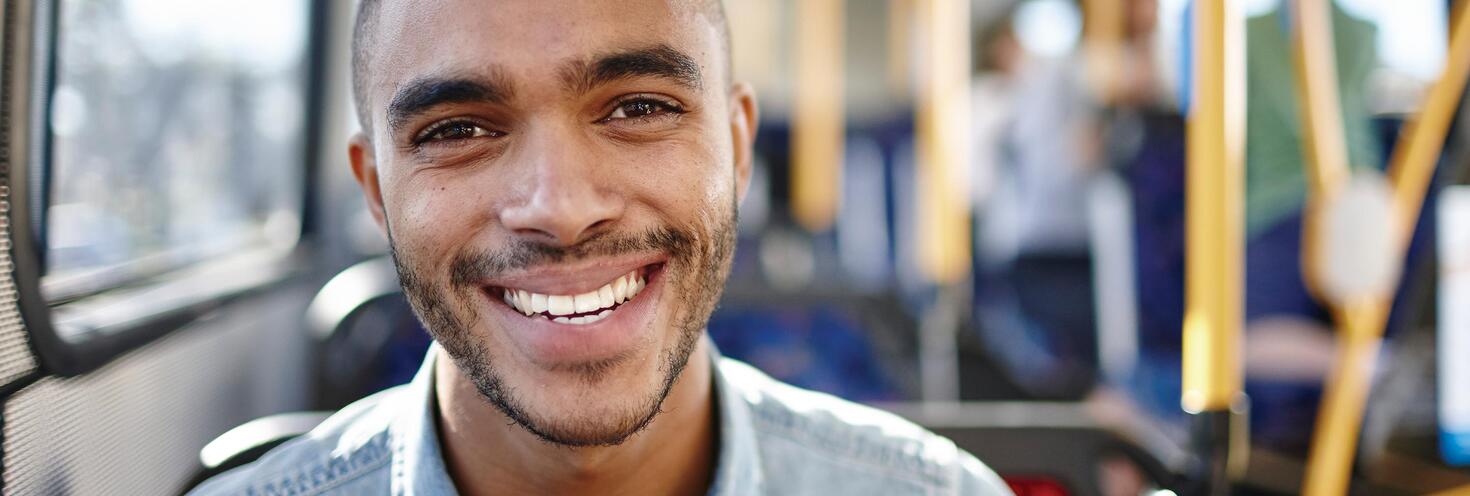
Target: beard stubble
x,y
699,261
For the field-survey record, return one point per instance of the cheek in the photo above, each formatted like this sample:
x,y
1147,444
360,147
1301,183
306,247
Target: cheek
x,y
686,181
430,224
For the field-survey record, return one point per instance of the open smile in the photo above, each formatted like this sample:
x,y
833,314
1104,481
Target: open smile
x,y
580,309
578,313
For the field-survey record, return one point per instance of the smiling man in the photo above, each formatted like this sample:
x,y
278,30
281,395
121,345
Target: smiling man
x,y
559,180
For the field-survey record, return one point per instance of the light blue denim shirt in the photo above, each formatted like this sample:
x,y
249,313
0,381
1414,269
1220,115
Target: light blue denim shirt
x,y
774,439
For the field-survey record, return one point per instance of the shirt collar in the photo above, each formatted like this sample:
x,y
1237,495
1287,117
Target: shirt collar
x,y
418,468
418,465
739,468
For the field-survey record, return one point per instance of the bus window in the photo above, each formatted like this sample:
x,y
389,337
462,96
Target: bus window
x,y
176,136
170,169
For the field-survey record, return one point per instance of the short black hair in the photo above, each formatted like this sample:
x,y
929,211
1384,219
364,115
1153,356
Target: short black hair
x,y
367,19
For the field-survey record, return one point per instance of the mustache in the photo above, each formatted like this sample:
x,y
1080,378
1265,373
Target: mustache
x,y
470,268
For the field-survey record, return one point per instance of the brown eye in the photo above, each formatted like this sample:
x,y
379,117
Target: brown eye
x,y
456,131
643,107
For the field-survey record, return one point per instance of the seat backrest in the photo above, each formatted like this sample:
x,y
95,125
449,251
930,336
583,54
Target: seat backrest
x,y
251,440
366,334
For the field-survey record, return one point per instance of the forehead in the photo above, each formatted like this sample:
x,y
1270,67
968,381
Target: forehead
x,y
528,39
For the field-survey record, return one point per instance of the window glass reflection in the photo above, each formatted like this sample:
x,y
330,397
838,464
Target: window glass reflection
x,y
176,135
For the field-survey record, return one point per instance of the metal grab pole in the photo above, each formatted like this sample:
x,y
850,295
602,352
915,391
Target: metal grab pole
x,y
1418,148
900,46
1105,23
942,129
1316,70
943,134
817,122
1215,238
1340,415
1363,320
1325,159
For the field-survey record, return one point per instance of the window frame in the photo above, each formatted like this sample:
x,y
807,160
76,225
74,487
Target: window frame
x,y
75,333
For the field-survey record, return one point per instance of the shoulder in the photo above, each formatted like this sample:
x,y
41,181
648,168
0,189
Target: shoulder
x,y
811,440
348,453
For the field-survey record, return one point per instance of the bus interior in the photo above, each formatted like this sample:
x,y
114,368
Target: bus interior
x,y
1111,247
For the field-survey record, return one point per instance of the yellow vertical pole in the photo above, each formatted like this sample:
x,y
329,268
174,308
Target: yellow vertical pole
x,y
1362,321
943,123
1412,165
817,124
1215,238
1325,142
1326,163
1105,22
1335,437
900,38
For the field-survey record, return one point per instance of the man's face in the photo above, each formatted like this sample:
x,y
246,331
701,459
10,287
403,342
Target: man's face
x,y
558,179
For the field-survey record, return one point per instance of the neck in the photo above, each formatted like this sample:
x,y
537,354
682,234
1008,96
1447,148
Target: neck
x,y
487,453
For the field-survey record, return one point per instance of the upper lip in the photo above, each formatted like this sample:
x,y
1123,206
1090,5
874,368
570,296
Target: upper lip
x,y
576,277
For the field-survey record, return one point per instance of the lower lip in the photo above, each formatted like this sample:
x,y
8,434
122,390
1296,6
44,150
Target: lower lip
x,y
551,343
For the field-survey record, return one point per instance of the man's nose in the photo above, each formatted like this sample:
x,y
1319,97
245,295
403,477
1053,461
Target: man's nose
x,y
567,199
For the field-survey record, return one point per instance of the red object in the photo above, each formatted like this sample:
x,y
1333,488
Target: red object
x,y
1035,486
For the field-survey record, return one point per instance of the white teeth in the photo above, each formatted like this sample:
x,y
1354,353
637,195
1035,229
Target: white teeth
x,y
587,302
620,289
523,302
559,307
605,297
594,318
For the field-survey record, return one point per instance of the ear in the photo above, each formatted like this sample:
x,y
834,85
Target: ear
x,y
744,120
365,169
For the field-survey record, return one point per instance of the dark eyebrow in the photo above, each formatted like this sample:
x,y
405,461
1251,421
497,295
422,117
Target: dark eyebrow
x,y
658,61
421,95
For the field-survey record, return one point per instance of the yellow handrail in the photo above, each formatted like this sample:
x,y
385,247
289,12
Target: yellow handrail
x,y
1325,143
943,124
900,38
1335,438
1325,160
1104,29
1215,238
1362,321
817,121
1418,149
1215,227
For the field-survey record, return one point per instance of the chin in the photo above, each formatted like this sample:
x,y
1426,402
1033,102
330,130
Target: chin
x,y
594,404
601,401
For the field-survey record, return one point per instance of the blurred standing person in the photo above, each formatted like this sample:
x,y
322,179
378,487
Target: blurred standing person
x,y
1290,343
998,56
1036,292
1145,140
